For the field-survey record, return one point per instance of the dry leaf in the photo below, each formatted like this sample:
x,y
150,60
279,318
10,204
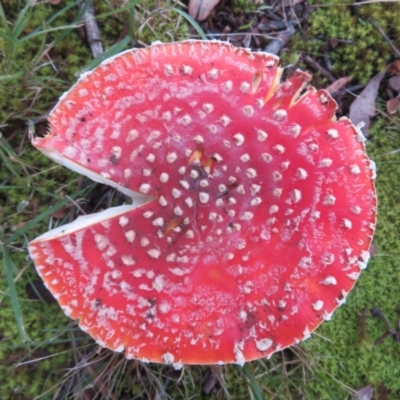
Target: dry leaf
x,y
201,9
62,212
338,84
393,105
394,83
394,68
363,107
365,393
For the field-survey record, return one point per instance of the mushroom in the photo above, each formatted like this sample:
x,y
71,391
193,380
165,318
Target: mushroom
x,y
253,207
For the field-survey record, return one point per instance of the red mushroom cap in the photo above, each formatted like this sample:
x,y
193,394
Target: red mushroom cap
x,y
254,207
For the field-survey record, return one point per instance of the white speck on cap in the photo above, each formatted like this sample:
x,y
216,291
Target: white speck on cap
x,y
204,197
244,87
238,138
247,215
273,209
332,133
248,111
130,236
154,253
168,70
144,241
325,162
164,177
176,193
185,120
295,195
280,115
261,135
263,344
127,260
329,200
168,358
354,169
347,223
251,173
178,211
329,281
162,201
123,221
144,188
187,70
227,86
301,173
266,157
189,202
279,149
318,305
171,157
213,73
150,158
225,120
158,283
184,184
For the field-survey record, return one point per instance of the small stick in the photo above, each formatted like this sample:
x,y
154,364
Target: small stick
x,y
328,61
92,30
377,312
277,44
350,89
382,338
380,30
210,383
313,64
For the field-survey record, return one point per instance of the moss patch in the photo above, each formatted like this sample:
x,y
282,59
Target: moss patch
x,y
347,353
346,33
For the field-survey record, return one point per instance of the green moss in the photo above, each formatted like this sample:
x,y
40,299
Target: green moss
x,y
21,376
243,6
352,37
346,352
38,78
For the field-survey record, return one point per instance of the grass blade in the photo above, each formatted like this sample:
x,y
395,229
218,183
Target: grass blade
x,y
127,7
191,21
245,370
8,163
3,18
11,77
46,214
22,20
112,51
9,267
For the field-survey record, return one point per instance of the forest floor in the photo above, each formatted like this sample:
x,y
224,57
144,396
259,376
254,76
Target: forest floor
x,y
44,46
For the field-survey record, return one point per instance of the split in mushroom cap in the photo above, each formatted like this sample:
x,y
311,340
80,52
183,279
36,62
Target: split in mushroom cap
x,y
254,207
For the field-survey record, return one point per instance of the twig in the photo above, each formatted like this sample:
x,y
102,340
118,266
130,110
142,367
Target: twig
x,y
380,30
314,65
92,30
350,89
277,44
377,312
210,383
